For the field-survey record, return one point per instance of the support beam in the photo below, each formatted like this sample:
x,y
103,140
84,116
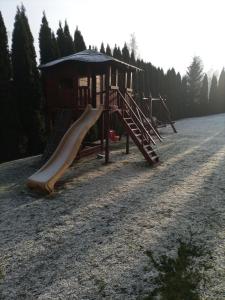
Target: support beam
x,y
116,77
127,143
106,114
131,80
102,132
94,90
89,88
101,89
125,81
110,76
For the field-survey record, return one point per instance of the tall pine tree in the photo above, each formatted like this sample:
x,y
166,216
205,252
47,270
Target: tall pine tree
x,y
184,98
117,53
68,41
64,40
5,68
48,51
55,48
213,95
60,40
9,123
221,92
102,48
108,50
79,44
203,105
27,83
194,77
125,54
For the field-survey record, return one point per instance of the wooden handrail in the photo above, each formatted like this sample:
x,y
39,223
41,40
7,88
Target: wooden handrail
x,y
168,113
134,114
144,117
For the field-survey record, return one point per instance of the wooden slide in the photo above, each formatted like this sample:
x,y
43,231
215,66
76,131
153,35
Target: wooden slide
x,y
46,177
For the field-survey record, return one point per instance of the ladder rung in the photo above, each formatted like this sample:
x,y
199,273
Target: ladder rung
x,y
135,129
151,152
154,157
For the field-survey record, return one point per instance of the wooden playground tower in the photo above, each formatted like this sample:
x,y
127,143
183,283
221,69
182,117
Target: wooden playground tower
x,y
90,77
84,90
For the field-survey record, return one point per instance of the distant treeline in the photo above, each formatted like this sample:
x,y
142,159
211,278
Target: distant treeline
x,y
22,125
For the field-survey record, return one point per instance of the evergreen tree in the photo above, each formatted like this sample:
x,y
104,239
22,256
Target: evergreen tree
x,y
5,68
64,40
55,48
213,95
68,41
132,58
108,50
94,48
125,54
47,51
79,44
117,53
194,79
60,40
27,83
221,92
184,98
102,48
173,81
204,96
9,123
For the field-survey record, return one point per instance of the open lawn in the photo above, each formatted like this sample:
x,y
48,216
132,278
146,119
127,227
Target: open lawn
x,y
121,231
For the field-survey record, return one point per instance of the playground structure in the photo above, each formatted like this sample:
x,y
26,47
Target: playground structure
x,y
81,91
149,111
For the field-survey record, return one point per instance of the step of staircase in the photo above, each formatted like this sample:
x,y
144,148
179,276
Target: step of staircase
x,y
134,131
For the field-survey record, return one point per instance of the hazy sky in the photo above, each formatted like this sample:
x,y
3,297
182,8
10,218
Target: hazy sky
x,y
168,32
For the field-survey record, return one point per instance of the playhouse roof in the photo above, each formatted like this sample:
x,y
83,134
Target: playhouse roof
x,y
89,57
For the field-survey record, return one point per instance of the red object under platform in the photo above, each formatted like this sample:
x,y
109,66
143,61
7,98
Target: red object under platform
x,y
113,136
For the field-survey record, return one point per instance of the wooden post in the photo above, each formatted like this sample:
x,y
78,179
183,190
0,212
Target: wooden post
x,y
131,80
150,97
102,131
106,114
127,143
93,90
88,101
116,77
75,92
101,89
110,76
125,81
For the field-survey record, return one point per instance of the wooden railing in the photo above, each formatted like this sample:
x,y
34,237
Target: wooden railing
x,y
127,111
143,119
83,96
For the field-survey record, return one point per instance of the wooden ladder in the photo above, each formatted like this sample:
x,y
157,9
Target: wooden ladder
x,y
138,127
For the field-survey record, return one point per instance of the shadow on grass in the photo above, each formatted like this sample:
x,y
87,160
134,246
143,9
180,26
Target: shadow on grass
x,y
178,278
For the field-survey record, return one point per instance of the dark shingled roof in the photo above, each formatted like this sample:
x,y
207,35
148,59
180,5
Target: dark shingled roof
x,y
87,56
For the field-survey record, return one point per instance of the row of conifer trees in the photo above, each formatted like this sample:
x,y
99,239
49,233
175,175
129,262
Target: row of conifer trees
x,y
22,128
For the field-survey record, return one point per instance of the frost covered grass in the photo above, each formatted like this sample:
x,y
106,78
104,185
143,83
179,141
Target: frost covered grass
x,y
90,238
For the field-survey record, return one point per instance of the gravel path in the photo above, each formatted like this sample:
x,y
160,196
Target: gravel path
x,y
89,239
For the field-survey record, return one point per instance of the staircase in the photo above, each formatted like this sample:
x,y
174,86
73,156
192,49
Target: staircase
x,y
138,127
